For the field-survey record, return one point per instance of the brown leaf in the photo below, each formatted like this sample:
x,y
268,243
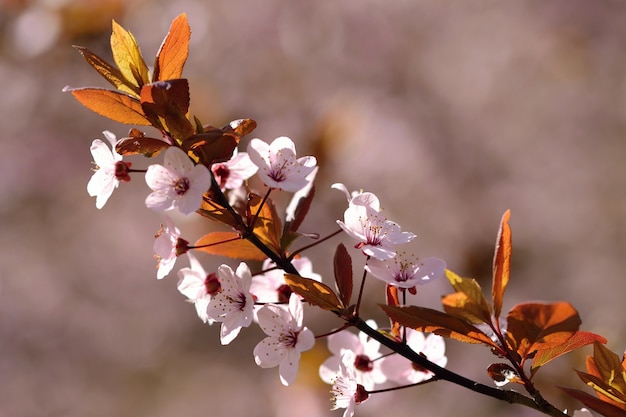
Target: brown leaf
x,y
109,72
173,52
229,244
537,326
116,106
343,274
127,56
433,321
501,264
596,404
167,103
240,127
468,303
211,210
578,339
211,147
138,144
314,292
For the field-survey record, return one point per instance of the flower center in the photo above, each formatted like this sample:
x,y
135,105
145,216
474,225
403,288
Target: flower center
x,y
221,174
288,339
239,301
363,363
181,186
212,284
121,171
284,292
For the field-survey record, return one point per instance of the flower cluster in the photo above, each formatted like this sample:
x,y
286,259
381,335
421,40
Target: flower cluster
x,y
236,299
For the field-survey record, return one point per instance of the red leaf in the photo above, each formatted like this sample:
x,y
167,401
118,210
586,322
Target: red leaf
x,y
501,264
596,404
137,144
343,274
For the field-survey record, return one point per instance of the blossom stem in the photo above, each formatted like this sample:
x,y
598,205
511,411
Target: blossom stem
x,y
137,170
256,215
358,301
427,381
232,239
317,242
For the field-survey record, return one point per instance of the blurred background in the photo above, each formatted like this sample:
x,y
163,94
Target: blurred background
x,y
451,112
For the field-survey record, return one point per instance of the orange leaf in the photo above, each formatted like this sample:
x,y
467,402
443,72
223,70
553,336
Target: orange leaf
x,y
501,264
174,50
267,226
433,321
212,210
109,72
314,292
578,339
127,56
116,106
343,274
229,244
536,326
393,300
468,303
606,367
210,147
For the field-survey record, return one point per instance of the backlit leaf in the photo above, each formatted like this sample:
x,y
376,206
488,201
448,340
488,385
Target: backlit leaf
x,y
537,326
109,72
314,292
229,244
433,321
267,226
607,390
468,303
343,274
501,263
127,56
578,339
173,52
116,106
606,366
212,210
393,299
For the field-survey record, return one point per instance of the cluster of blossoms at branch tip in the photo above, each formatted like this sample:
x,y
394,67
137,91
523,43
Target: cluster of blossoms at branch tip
x,y
236,299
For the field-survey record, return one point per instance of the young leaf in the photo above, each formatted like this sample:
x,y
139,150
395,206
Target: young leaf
x,y
314,292
118,107
138,144
433,321
343,274
536,326
501,264
173,52
170,101
468,303
610,373
211,210
578,339
127,56
109,72
229,244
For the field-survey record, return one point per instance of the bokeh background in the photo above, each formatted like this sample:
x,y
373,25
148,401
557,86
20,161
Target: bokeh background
x,y
451,112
